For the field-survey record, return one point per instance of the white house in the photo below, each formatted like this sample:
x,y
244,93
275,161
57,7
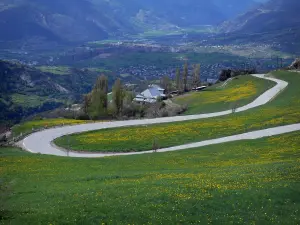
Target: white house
x,y
151,94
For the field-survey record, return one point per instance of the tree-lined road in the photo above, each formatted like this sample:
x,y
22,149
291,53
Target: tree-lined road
x,y
42,142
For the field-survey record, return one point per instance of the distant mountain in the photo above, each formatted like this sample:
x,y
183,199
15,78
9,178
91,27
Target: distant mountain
x,y
233,8
186,12
77,20
275,22
274,15
65,21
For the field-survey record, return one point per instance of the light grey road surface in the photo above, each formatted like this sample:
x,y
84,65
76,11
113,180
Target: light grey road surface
x,y
41,142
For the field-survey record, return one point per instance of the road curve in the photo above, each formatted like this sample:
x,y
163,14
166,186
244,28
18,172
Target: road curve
x,y
41,142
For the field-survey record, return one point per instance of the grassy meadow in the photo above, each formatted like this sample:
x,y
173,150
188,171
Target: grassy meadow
x,y
239,92
29,101
27,127
245,182
283,110
58,70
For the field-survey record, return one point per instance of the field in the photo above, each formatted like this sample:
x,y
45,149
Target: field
x,y
246,182
58,70
29,101
28,127
238,92
285,109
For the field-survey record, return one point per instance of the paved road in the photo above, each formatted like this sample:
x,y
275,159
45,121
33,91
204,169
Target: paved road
x,y
41,142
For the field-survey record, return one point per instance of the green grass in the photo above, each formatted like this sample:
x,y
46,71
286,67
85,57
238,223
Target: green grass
x,y
99,70
158,33
109,97
238,92
28,101
285,109
58,70
246,182
103,42
187,30
27,127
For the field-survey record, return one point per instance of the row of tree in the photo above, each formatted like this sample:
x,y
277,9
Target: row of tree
x,y
183,81
96,104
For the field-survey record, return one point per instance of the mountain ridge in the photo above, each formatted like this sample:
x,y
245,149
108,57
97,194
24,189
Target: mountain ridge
x,y
90,20
273,15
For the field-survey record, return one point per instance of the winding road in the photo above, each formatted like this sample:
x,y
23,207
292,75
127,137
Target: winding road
x,y
42,142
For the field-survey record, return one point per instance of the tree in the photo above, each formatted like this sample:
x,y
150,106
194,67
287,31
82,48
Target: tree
x,y
118,95
86,103
128,97
196,75
166,83
185,76
98,98
178,77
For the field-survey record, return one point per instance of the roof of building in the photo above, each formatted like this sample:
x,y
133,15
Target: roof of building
x,y
151,94
153,91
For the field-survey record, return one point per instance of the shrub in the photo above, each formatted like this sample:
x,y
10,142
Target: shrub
x,y
155,146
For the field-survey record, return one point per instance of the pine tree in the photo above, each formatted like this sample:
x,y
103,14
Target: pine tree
x,y
185,76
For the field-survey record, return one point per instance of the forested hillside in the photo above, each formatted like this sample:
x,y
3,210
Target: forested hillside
x,y
25,90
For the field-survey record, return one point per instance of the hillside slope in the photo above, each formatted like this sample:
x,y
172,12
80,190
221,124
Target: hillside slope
x,y
272,16
25,90
275,22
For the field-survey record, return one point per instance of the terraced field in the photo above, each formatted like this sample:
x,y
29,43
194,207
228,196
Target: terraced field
x,y
283,110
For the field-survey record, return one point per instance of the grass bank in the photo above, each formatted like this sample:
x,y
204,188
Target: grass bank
x,y
283,110
30,126
238,92
245,182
